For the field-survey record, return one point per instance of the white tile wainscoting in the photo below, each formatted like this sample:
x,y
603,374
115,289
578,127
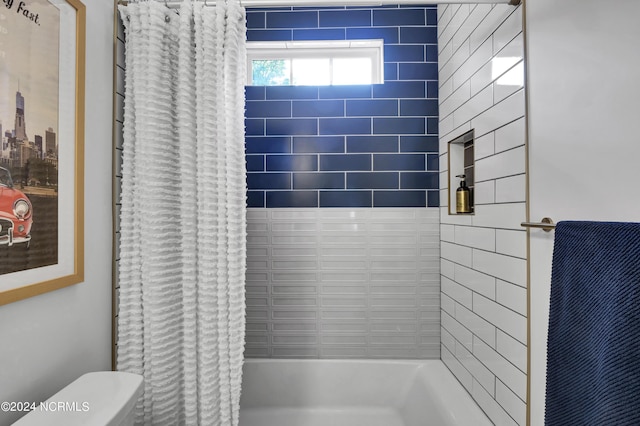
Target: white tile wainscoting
x,y
343,283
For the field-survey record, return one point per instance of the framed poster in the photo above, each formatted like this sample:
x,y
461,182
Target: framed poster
x,y
42,59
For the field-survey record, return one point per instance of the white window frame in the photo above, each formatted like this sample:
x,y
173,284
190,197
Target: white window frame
x,y
269,50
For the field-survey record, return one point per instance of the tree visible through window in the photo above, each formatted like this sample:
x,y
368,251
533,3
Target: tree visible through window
x,y
270,72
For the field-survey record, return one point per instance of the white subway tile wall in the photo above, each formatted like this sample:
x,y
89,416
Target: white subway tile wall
x,y
483,265
344,283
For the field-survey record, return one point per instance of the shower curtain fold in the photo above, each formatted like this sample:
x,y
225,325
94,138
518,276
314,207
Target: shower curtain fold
x,y
182,227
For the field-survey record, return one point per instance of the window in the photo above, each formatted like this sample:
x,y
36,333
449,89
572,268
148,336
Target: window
x,y
315,63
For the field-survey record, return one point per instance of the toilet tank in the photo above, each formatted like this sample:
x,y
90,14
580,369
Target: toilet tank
x,y
103,398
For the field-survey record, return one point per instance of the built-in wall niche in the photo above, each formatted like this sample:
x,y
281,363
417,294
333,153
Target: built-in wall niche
x,y
461,174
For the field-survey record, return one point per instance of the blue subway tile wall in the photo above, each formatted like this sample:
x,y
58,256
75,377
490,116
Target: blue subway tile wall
x,y
398,162
279,163
345,199
292,199
255,198
318,181
372,144
399,199
319,34
318,144
270,145
347,146
345,162
255,163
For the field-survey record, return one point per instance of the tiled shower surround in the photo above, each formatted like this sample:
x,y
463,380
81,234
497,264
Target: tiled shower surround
x,y
343,283
357,277
347,146
365,282
484,275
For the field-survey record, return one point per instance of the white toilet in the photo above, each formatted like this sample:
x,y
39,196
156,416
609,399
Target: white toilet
x,y
103,398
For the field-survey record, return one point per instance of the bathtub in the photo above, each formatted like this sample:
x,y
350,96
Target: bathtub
x,y
354,393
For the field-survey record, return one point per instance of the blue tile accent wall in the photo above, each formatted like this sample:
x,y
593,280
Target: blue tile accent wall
x,y
347,146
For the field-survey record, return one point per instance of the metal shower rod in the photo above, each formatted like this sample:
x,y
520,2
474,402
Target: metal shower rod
x,y
319,3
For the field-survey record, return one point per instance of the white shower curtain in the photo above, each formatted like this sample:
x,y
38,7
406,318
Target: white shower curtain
x,y
182,245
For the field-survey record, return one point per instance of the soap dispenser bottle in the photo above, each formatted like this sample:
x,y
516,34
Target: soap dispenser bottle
x,y
463,196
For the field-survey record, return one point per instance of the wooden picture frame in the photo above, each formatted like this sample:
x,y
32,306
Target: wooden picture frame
x,y
42,63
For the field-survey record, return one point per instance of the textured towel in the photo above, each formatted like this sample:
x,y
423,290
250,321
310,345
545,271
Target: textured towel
x,y
593,350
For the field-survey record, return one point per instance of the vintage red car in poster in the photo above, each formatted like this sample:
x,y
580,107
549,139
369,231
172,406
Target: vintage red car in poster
x,y
16,213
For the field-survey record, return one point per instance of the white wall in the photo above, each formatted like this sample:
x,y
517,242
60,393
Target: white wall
x,y
49,340
484,304
582,77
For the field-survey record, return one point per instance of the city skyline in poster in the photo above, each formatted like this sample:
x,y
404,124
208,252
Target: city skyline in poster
x,y
29,52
